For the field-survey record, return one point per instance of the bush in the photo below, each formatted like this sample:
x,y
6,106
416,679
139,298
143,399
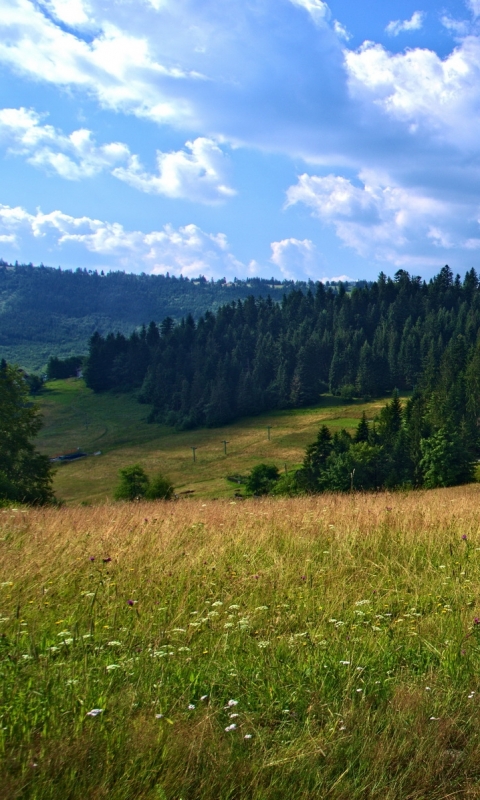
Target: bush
x,y
160,488
262,479
135,485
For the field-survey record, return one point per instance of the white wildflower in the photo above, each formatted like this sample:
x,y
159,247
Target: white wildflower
x,y
95,712
231,727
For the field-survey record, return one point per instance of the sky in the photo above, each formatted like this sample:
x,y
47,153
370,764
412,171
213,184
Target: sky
x,y
286,138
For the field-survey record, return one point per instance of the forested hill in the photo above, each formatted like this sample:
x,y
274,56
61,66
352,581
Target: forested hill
x,y
255,355
48,312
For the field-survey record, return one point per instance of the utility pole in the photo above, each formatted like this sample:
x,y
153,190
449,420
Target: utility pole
x,y
224,442
193,451
269,427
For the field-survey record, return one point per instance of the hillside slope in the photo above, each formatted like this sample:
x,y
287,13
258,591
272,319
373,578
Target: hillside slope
x,y
116,425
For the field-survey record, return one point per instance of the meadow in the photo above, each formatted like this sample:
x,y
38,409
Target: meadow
x,y
75,417
256,650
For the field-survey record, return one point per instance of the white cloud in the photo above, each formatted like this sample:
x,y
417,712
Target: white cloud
x,y
318,10
71,12
474,6
72,157
413,24
186,250
198,175
297,259
387,222
421,89
116,66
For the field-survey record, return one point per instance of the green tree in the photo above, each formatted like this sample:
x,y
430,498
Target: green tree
x,y
134,483
262,479
25,474
160,488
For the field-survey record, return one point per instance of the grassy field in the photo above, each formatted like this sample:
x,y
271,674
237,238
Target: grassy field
x,y
299,648
115,425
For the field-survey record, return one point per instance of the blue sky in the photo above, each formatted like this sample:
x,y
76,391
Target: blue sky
x,y
244,137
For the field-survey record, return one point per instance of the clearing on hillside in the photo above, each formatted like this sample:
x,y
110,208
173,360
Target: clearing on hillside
x,y
116,425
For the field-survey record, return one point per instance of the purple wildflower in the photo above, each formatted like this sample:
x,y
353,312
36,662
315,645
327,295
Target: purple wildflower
x,y
464,537
130,602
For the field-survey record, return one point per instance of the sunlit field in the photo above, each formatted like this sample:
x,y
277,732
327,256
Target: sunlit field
x,y
321,647
115,425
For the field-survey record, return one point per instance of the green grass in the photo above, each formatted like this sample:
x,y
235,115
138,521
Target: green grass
x,y
340,632
116,424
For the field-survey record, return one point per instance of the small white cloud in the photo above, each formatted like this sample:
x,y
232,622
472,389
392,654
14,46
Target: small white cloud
x,y
198,175
412,24
341,31
318,10
297,259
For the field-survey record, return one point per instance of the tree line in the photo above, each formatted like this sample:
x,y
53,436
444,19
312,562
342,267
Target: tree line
x,y
255,355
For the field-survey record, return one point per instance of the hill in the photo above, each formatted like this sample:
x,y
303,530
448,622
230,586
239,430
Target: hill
x,y
75,417
48,312
315,647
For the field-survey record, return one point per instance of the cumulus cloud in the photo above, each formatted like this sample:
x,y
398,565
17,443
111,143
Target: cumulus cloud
x,y
72,157
413,24
186,250
297,259
197,175
388,222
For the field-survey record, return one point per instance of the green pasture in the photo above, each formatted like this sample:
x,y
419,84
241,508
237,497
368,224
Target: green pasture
x,y
115,425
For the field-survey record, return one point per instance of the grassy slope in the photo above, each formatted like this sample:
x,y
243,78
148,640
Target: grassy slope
x,y
115,424
343,627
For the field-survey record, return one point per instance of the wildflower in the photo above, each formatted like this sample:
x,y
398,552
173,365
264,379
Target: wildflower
x,y
113,644
112,667
92,558
131,602
217,603
191,707
158,716
435,718
476,621
232,703
231,727
204,697
263,644
95,712
248,736
233,608
345,663
233,716
106,560
228,625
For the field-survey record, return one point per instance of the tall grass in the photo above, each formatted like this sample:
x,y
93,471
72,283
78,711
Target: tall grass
x,y
309,648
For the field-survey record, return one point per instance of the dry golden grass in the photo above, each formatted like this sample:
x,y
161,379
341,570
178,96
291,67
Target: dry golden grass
x,y
344,626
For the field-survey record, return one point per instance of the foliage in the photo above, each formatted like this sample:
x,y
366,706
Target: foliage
x,y
403,449
135,485
47,312
25,474
159,488
255,355
342,632
58,369
262,479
